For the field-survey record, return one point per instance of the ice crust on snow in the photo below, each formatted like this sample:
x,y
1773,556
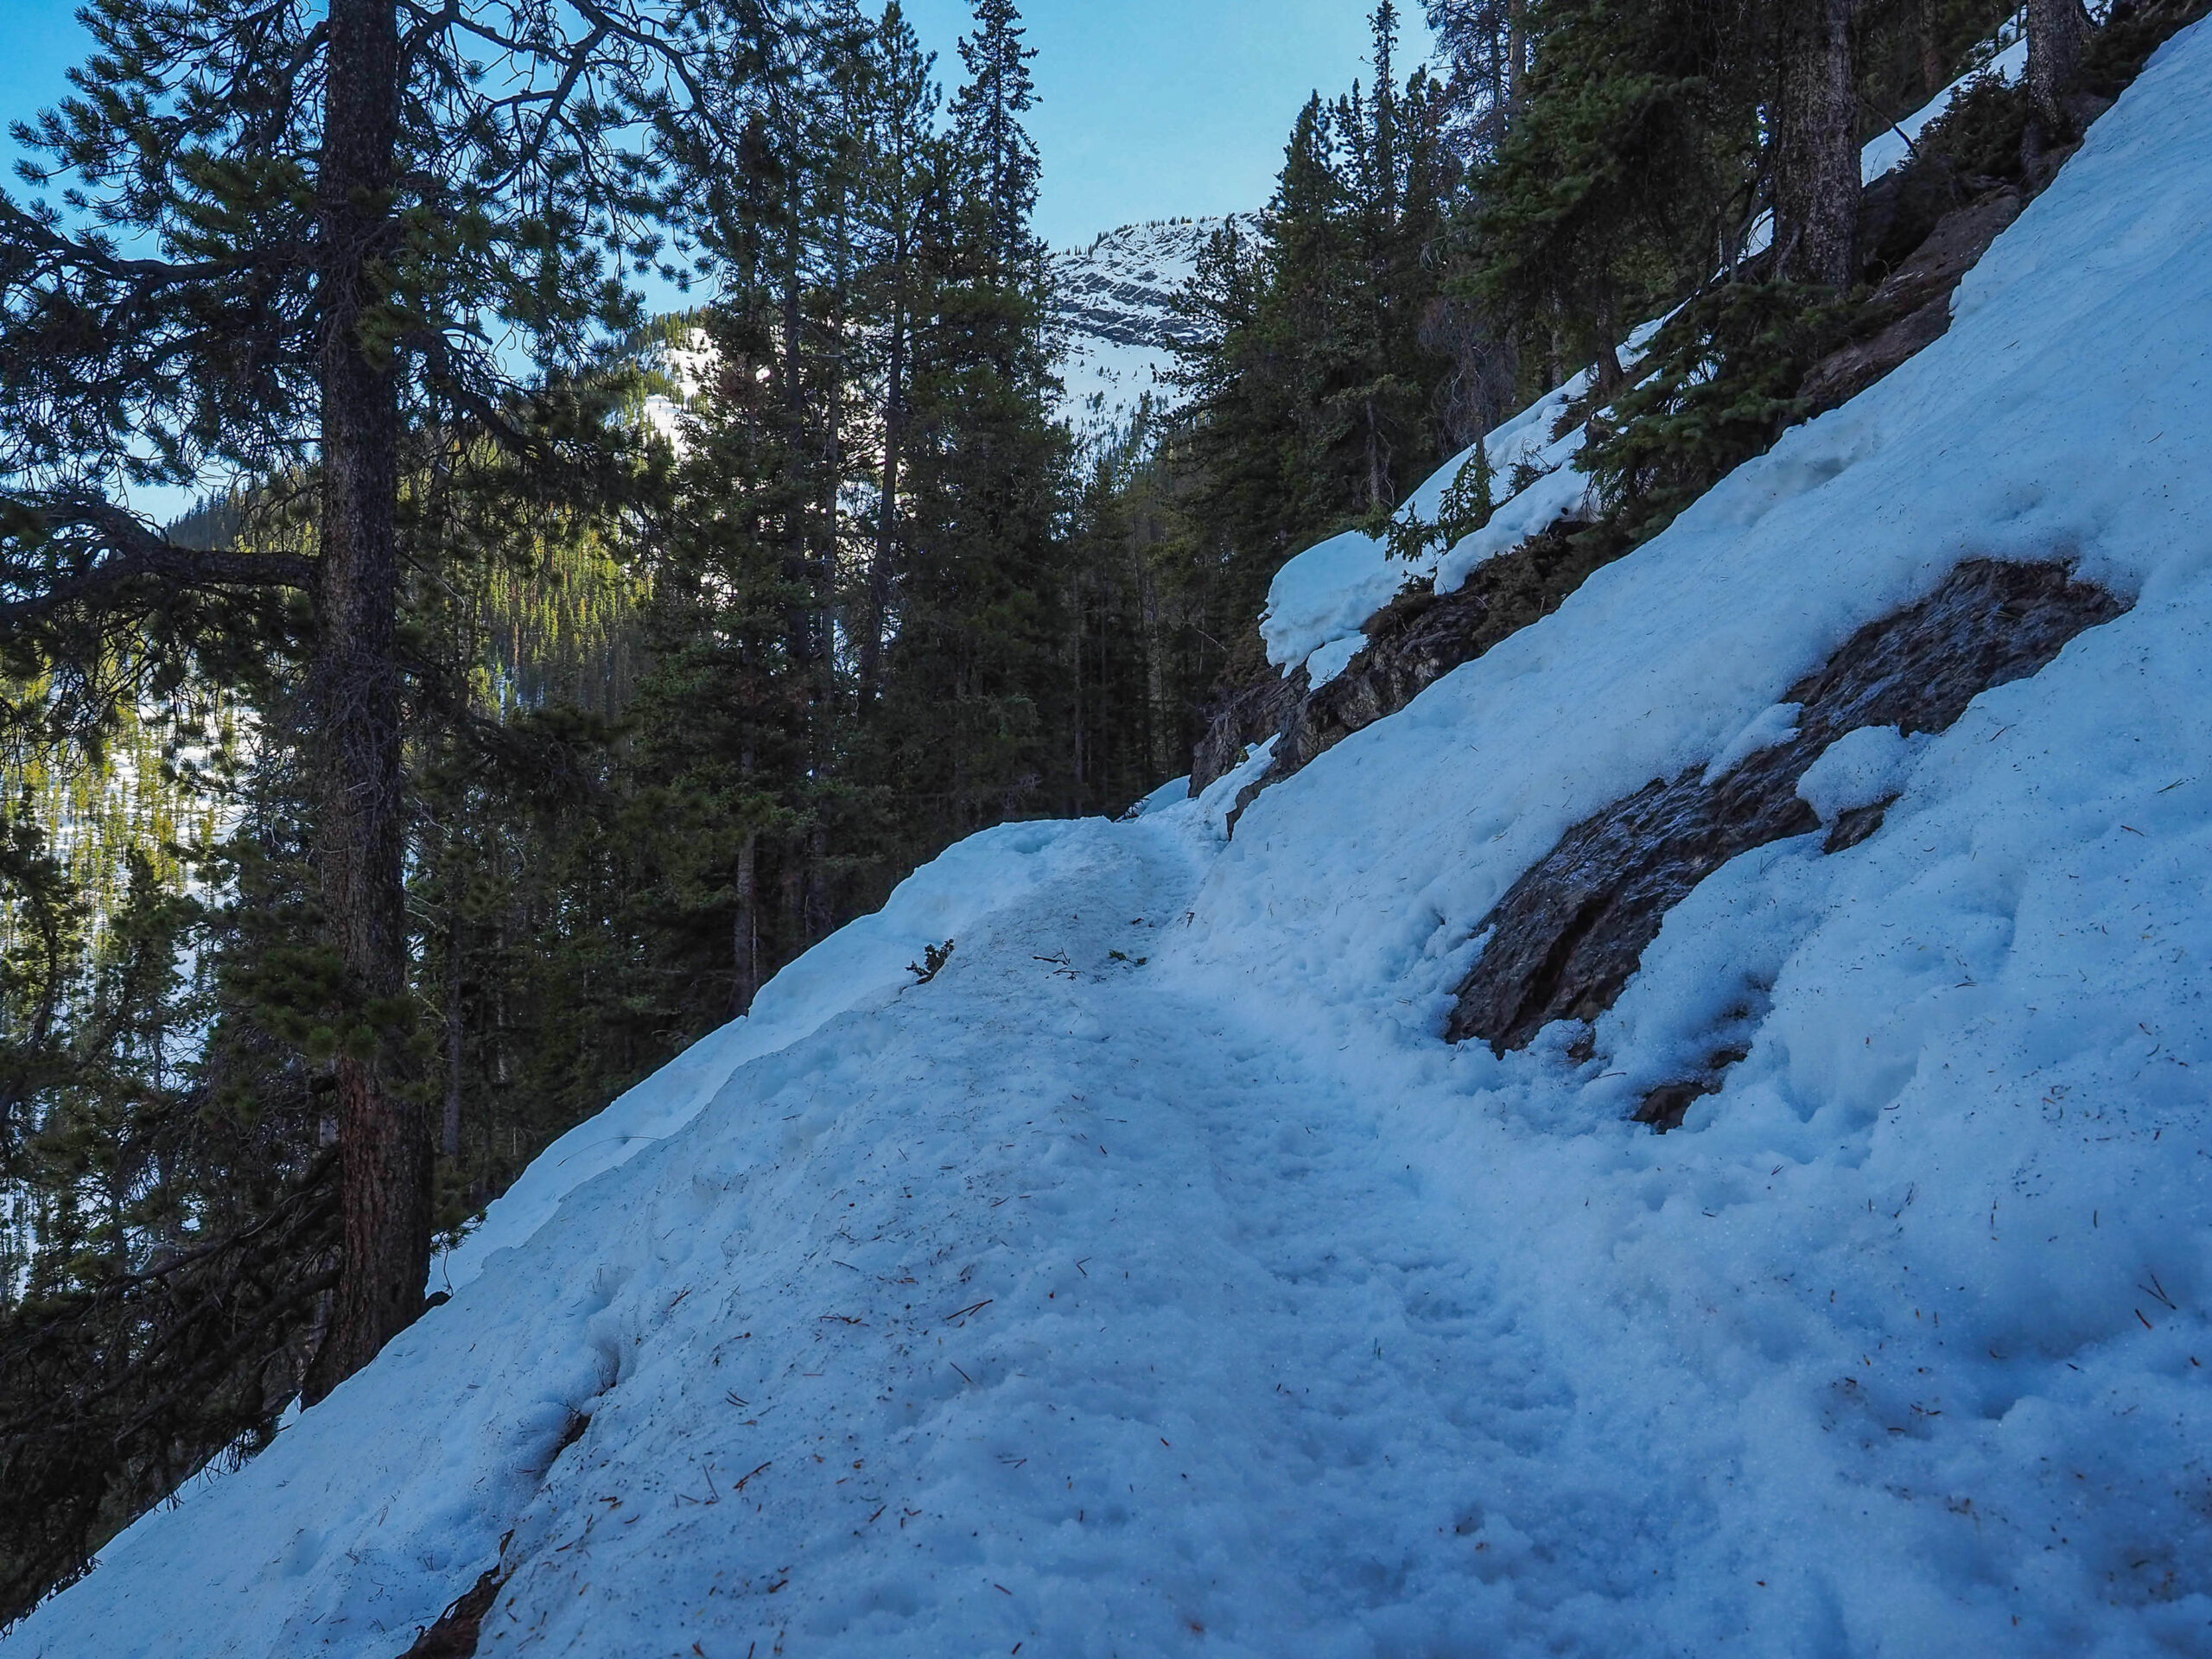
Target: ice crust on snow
x,y
1154,1280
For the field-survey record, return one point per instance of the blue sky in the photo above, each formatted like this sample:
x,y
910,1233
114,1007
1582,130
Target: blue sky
x,y
1152,109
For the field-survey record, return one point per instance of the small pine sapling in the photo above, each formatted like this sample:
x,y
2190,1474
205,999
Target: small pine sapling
x,y
1467,505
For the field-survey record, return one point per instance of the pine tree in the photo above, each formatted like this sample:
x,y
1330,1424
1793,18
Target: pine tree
x,y
1485,46
1624,182
278,213
1316,398
975,689
1816,144
901,166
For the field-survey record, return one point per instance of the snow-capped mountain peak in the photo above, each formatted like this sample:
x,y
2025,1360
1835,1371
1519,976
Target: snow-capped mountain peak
x,y
1114,304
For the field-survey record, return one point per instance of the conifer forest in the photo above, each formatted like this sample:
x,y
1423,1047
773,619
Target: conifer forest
x,y
547,662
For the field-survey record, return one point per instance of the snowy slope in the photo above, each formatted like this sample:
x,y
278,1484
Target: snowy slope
x,y
1154,1280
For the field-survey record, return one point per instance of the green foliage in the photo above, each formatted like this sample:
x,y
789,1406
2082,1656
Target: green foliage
x,y
1719,386
1980,135
1317,389
1468,502
2133,30
1624,178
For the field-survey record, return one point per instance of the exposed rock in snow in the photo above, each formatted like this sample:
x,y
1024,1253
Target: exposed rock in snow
x,y
1564,941
1911,308
1242,719
1325,594
1419,639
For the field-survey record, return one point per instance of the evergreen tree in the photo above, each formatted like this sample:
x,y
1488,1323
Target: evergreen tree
x,y
1624,182
974,686
901,170
1485,47
1315,393
278,212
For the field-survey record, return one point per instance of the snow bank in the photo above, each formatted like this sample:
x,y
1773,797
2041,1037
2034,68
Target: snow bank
x,y
863,966
1154,1281
1322,598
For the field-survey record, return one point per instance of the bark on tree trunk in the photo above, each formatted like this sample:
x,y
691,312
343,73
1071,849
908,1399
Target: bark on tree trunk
x,y
1932,77
456,1031
1816,170
2057,31
744,932
383,1140
1517,54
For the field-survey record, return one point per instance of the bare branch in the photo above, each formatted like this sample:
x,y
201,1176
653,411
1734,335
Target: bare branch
x,y
132,551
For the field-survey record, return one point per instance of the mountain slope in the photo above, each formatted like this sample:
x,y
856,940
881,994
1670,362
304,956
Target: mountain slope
x,y
1114,307
1155,1279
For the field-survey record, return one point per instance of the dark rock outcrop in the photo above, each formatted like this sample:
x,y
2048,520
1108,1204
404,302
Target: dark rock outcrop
x,y
1925,227
458,1628
1565,939
1414,641
1421,636
1910,310
1243,716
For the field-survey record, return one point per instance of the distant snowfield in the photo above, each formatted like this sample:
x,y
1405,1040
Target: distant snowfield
x,y
1154,1280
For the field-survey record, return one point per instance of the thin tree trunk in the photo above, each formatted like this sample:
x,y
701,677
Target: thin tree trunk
x,y
1379,494
1816,172
886,516
456,1031
745,940
1932,76
1517,54
385,1144
2057,32
1158,747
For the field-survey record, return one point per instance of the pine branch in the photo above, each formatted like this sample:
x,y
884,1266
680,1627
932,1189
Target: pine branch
x,y
126,551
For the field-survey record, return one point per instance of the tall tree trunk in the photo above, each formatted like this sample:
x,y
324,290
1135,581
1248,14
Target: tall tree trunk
x,y
2057,31
886,512
1159,747
745,931
1380,497
1816,170
455,1032
384,1141
1516,55
1932,75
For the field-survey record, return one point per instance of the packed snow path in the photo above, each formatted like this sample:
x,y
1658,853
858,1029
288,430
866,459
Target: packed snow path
x,y
1075,1313
1058,1304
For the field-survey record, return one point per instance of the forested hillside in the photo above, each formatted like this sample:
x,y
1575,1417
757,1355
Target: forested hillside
x,y
541,680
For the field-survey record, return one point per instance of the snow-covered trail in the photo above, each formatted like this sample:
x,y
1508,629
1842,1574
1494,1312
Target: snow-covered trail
x,y
1186,1360
1057,1303
1066,1302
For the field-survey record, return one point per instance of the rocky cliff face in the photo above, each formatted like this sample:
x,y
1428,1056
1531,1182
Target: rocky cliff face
x,y
1115,306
